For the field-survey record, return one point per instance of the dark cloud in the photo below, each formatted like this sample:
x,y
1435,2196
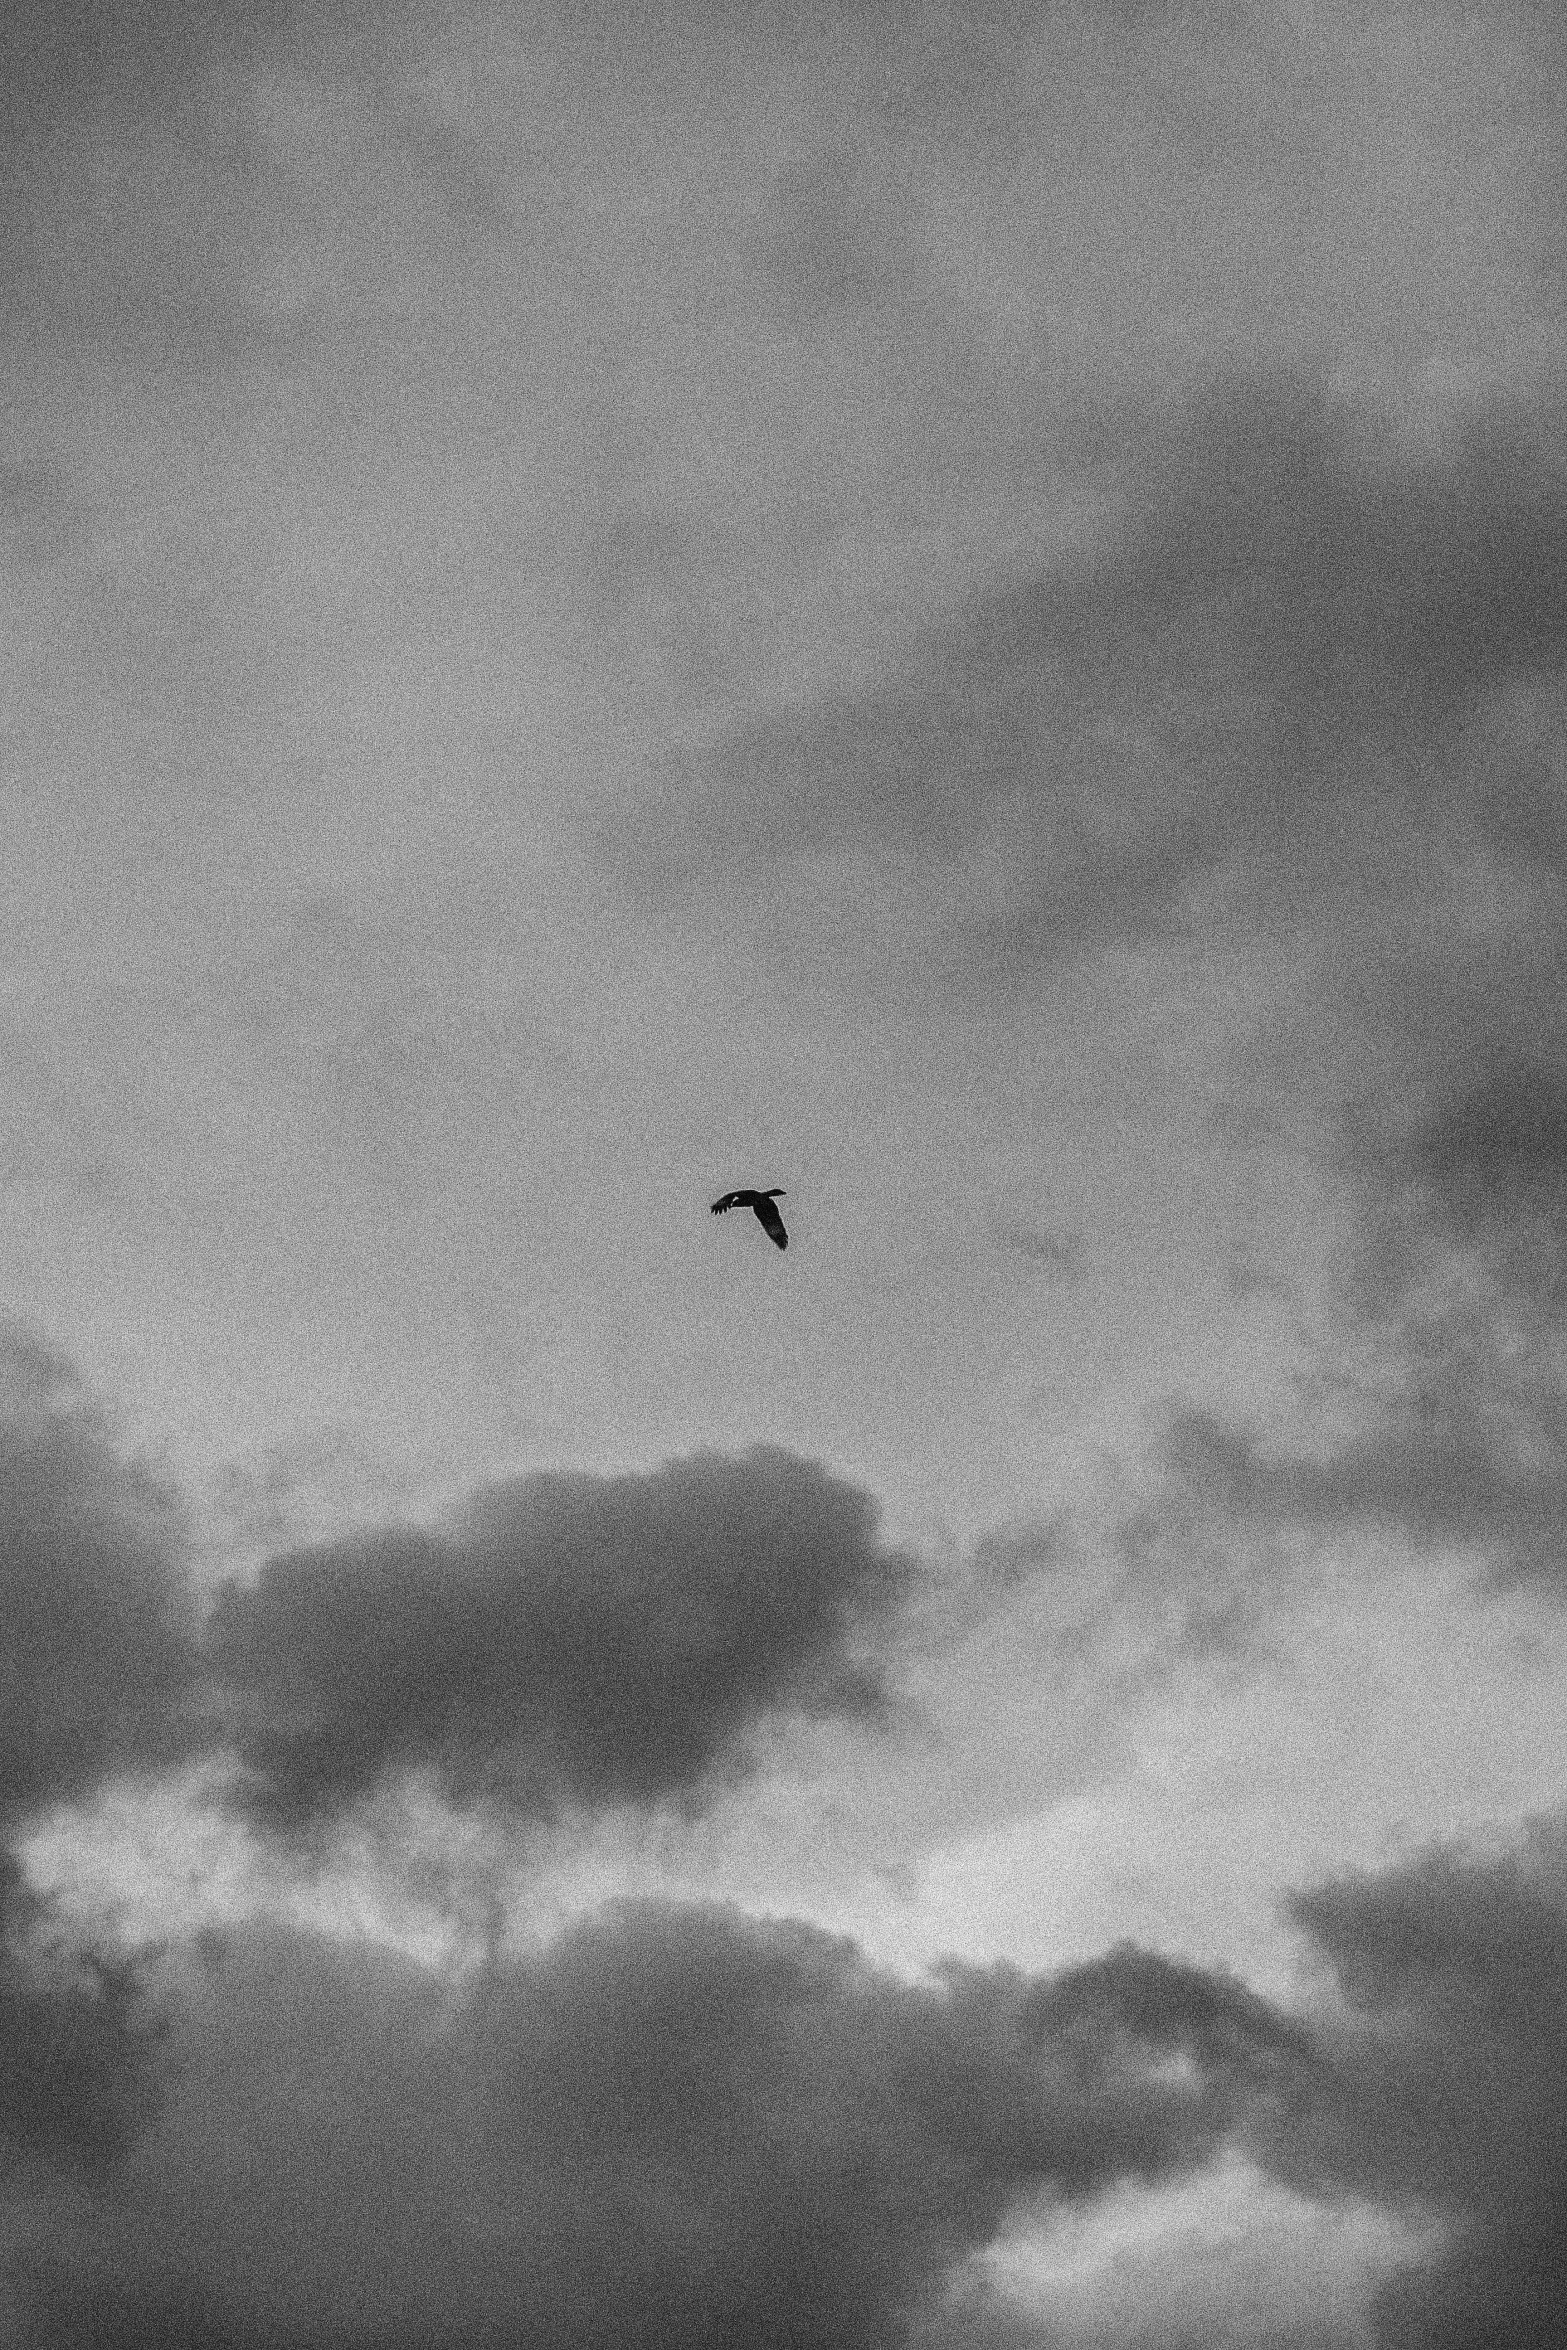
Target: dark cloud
x,y
1452,2060
1255,673
672,2125
78,2043
97,1620
1216,2048
565,1643
676,2123
574,1640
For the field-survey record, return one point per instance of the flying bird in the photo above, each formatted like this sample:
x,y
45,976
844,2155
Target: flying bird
x,y
766,1214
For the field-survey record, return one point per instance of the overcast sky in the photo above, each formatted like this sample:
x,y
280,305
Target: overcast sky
x,y
962,610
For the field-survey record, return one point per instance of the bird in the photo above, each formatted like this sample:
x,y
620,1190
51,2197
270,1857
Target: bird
x,y
766,1214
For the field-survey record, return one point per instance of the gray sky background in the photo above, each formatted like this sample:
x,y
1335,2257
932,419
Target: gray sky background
x,y
962,611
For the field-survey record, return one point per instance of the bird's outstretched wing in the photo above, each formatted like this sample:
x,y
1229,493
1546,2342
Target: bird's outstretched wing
x,y
731,1199
771,1222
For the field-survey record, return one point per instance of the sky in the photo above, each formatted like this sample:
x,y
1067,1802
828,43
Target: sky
x,y
958,609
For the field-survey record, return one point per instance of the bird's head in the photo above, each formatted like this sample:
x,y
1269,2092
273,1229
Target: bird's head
x,y
777,1192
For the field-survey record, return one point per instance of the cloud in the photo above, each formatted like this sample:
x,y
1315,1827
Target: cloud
x,y
1452,2055
574,1641
97,1617
1501,1148
564,1643
1443,1389
191,191
1477,1173
77,2043
678,2123
1444,1415
674,2124
1461,1461
1255,669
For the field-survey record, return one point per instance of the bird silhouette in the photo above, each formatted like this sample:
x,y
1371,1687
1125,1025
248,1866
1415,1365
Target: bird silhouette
x,y
762,1203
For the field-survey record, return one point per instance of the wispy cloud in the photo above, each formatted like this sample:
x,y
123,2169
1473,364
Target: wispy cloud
x,y
1252,677
1433,1410
1439,1465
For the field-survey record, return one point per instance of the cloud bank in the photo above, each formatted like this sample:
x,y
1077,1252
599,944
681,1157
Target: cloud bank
x,y
674,2124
